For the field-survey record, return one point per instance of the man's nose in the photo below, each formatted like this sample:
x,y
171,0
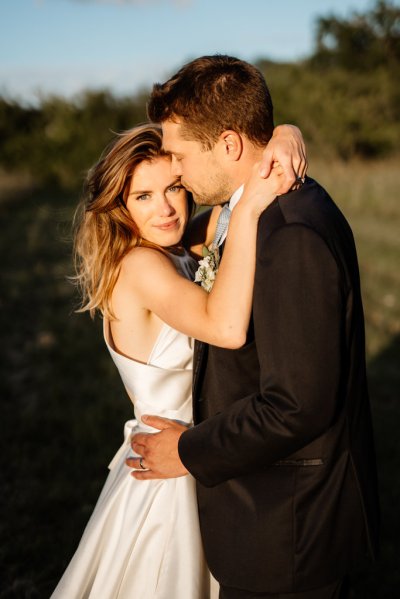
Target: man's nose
x,y
176,168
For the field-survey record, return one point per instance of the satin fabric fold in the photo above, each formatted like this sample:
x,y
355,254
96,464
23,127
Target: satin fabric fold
x,y
143,539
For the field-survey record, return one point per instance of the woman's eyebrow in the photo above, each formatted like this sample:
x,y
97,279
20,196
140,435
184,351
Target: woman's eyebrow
x,y
174,182
139,191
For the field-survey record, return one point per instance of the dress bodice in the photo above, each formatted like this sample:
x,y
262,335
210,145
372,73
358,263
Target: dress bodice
x,y
163,385
143,538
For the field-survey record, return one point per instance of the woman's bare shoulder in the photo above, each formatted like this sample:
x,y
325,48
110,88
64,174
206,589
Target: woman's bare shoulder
x,y
146,262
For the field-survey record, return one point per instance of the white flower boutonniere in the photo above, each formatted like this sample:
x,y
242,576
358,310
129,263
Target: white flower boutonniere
x,y
208,267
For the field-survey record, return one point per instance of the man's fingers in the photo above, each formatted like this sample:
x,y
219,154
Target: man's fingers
x,y
146,475
135,463
157,422
138,448
140,439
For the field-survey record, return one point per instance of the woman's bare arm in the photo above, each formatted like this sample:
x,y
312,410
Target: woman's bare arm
x,y
285,147
222,316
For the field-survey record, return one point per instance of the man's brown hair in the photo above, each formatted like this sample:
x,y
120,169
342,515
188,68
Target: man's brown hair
x,y
213,94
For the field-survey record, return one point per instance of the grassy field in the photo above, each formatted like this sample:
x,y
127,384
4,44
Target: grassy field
x,y
368,195
63,404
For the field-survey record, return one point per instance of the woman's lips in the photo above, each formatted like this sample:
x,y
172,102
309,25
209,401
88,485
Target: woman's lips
x,y
169,225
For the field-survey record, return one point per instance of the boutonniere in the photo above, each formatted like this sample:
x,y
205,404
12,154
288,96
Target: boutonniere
x,y
208,267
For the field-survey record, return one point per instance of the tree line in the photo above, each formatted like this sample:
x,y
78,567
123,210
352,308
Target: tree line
x,y
345,97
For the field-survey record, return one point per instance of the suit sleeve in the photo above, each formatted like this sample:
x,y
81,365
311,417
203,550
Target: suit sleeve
x,y
298,332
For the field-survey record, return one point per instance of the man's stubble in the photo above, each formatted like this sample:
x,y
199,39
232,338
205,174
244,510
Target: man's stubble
x,y
217,191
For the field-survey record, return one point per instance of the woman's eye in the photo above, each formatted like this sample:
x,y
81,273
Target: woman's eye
x,y
175,188
144,196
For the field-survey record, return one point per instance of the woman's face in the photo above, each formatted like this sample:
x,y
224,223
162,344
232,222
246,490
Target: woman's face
x,y
158,203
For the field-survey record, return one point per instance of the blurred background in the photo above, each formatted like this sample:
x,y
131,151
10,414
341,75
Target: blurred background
x,y
72,72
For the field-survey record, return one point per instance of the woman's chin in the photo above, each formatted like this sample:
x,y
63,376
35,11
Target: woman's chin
x,y
166,239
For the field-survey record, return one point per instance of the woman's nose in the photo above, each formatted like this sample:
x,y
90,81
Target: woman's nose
x,y
166,207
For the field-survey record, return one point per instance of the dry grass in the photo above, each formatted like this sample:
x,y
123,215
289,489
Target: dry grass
x,y
368,194
63,404
14,185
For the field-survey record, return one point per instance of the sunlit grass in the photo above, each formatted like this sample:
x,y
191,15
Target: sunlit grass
x,y
368,194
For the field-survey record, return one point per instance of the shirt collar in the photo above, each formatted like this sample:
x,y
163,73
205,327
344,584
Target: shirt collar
x,y
236,197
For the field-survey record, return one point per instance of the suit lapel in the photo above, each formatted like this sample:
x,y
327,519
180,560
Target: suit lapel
x,y
199,358
199,361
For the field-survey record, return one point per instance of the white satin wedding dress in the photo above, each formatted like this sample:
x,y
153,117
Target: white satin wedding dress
x,y
143,540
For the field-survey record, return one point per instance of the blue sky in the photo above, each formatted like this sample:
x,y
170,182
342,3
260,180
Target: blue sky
x,y
64,46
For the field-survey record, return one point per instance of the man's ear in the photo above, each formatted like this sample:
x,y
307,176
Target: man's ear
x,y
231,145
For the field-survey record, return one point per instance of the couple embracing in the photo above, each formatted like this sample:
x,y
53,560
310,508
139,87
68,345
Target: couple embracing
x,y
268,424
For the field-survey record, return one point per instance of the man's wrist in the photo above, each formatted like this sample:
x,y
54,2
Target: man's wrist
x,y
180,448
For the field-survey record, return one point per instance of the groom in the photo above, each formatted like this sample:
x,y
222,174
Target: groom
x,y
282,446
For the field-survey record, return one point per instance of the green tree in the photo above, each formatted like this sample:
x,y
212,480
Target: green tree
x,y
60,139
363,42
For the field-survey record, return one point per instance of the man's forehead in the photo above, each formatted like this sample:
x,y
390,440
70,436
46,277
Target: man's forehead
x,y
173,137
171,128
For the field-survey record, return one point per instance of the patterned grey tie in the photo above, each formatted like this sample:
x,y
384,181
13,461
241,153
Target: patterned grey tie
x,y
222,225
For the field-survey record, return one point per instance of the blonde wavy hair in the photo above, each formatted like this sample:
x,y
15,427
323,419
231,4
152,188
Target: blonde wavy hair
x,y
104,231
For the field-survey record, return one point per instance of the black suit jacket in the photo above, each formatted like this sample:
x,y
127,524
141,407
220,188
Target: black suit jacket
x,y
282,448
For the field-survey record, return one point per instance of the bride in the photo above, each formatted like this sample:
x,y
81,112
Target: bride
x,y
142,540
